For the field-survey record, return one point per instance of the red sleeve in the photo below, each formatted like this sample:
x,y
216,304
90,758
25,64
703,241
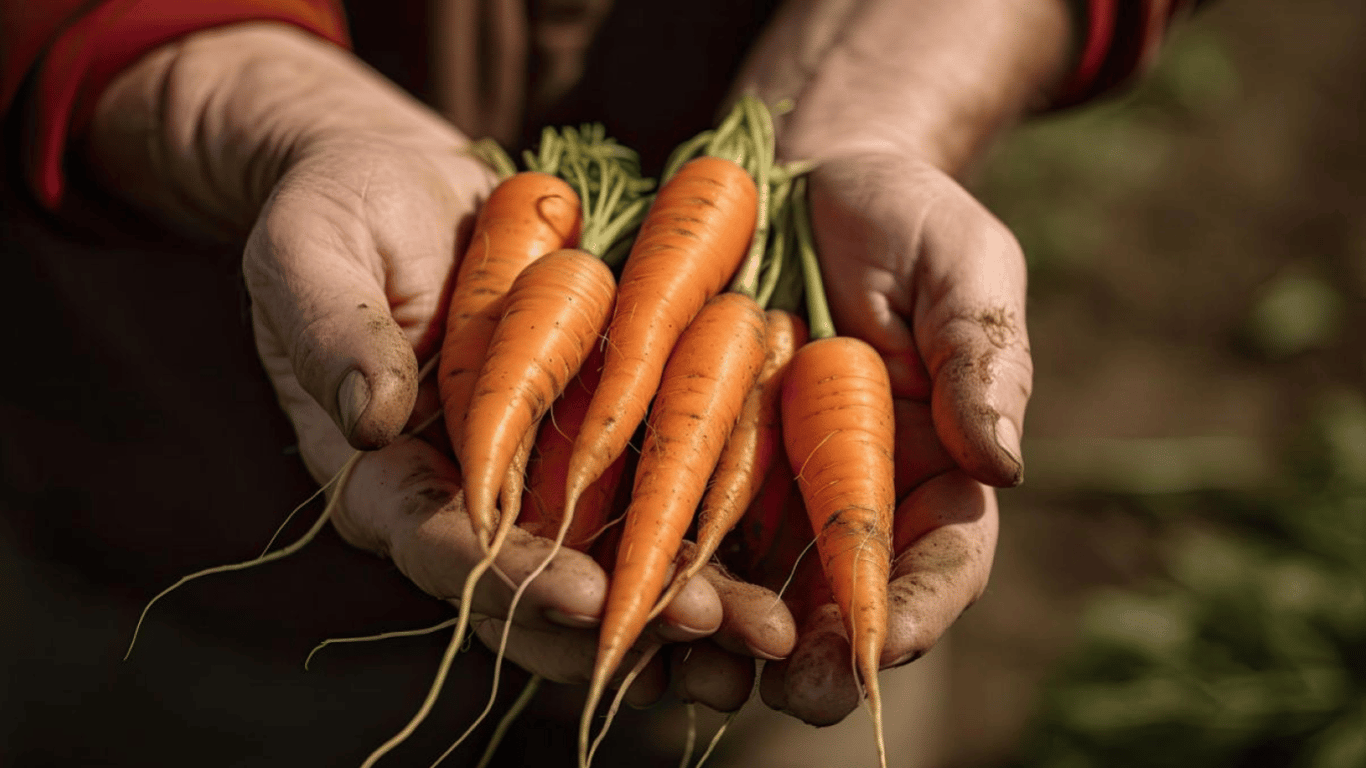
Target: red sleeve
x,y
1120,41
72,49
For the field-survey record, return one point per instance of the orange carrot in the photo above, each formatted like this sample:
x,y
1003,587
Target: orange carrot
x,y
695,235
839,432
543,506
749,451
555,311
527,216
702,391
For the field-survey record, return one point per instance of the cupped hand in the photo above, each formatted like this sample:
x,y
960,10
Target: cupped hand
x,y
703,647
917,267
352,200
914,265
943,543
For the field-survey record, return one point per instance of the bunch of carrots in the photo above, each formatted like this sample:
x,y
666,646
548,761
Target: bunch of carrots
x,y
591,308
559,352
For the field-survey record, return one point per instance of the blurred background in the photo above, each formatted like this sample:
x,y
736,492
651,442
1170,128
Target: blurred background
x,y
1182,579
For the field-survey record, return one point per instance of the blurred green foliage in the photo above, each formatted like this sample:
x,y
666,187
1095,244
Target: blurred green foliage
x,y
1058,179
1294,313
1251,650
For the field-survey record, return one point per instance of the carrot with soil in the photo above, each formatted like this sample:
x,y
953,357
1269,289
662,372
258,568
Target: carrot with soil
x,y
703,389
527,216
552,317
839,433
749,452
689,245
698,353
555,310
532,316
753,443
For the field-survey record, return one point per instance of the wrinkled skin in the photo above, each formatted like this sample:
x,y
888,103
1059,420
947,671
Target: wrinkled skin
x,y
354,199
348,255
919,269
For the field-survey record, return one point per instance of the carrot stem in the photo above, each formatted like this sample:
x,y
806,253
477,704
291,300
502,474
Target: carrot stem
x,y
778,245
607,178
685,152
758,123
817,308
491,153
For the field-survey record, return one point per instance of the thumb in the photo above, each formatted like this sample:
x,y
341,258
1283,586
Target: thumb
x,y
320,291
970,329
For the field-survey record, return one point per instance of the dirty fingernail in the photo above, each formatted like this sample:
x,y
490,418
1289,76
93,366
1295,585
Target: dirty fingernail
x,y
1008,440
353,394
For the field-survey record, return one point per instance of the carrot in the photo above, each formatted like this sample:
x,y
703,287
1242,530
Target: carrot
x,y
839,434
560,312
526,216
748,548
749,451
534,320
554,312
693,238
703,388
839,431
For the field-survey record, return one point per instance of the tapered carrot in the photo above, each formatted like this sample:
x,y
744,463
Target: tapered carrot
x,y
702,391
749,450
554,314
695,235
839,431
555,311
526,216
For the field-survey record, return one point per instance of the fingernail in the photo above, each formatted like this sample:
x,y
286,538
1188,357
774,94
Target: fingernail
x,y
1008,440
761,654
674,632
353,394
570,620
906,659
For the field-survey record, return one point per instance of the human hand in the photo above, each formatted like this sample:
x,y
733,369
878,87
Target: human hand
x,y
915,266
403,501
919,269
714,667
351,198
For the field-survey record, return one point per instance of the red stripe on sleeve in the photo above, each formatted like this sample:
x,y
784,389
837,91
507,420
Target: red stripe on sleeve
x,y
1122,41
1100,33
89,53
